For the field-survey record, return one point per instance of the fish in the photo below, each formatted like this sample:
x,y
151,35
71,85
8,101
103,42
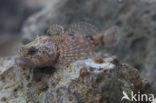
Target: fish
x,y
60,48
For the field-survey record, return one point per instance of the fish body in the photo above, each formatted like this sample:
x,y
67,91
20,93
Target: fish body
x,y
61,48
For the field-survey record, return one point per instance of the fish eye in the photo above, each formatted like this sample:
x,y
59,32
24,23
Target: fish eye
x,y
70,34
32,51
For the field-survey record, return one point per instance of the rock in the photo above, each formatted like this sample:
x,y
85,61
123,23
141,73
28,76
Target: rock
x,y
10,88
136,20
97,80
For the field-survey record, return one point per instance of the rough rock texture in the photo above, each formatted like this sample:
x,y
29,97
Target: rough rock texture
x,y
98,80
136,19
10,88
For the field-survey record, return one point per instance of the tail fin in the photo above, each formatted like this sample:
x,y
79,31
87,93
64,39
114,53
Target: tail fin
x,y
108,37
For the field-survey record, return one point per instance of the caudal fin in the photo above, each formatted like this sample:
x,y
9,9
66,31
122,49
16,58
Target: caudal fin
x,y
108,37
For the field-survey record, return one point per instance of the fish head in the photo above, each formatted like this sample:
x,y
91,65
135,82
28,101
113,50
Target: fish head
x,y
38,53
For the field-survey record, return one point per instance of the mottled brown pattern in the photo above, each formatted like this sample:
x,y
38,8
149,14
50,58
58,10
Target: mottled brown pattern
x,y
61,48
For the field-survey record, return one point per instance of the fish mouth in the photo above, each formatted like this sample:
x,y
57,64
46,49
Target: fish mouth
x,y
24,62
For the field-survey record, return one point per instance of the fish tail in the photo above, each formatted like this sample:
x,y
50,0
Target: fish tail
x,y
106,38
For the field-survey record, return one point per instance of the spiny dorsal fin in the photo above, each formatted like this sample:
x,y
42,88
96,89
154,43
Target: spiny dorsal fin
x,y
55,29
74,48
82,28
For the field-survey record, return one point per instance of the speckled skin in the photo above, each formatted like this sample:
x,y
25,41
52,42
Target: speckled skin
x,y
65,47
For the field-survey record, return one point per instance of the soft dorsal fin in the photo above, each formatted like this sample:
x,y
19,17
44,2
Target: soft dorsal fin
x,y
55,29
82,28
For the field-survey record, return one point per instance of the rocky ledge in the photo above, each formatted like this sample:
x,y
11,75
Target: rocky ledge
x,y
93,80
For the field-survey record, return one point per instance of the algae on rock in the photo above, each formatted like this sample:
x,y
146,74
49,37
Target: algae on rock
x,y
83,81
